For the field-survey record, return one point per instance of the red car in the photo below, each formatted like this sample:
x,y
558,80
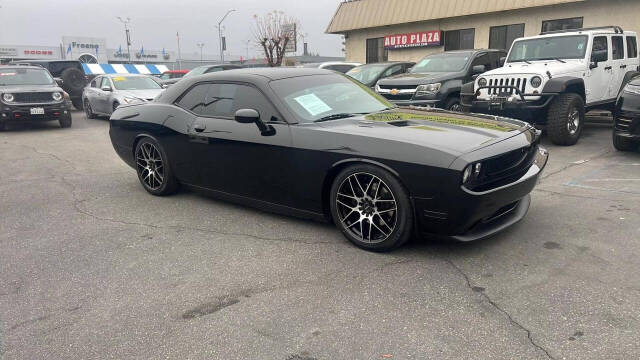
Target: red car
x,y
173,74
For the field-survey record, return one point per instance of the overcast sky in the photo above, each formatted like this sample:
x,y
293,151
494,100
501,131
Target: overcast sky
x,y
154,23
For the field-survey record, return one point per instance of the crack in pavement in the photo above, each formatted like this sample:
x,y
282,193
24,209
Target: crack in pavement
x,y
45,317
573,164
551,192
480,291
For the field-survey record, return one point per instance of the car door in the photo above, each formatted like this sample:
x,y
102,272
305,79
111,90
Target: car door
x,y
599,76
91,91
618,63
236,158
102,96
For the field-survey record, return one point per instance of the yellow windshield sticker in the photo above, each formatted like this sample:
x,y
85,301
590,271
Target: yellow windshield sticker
x,y
119,78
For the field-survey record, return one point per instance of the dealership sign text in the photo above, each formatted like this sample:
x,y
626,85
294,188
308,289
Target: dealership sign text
x,y
425,38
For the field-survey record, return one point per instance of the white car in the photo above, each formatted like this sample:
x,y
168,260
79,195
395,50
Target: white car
x,y
106,92
555,78
339,66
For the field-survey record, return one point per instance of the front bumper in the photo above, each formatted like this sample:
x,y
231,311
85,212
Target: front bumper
x,y
509,101
474,216
22,112
627,124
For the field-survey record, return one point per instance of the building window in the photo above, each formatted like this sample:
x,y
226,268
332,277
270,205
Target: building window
x,y
501,37
459,39
376,51
632,47
562,24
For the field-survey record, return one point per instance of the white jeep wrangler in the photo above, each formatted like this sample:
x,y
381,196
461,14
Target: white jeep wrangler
x,y
554,78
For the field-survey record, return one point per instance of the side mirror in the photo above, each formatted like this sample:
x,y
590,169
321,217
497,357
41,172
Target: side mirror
x,y
106,88
502,61
479,69
59,81
248,116
593,65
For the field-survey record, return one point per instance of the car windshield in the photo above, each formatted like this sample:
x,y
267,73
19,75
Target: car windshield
x,y
447,62
367,74
17,76
549,48
135,83
319,97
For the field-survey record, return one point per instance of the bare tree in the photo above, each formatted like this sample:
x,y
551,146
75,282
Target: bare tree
x,y
273,32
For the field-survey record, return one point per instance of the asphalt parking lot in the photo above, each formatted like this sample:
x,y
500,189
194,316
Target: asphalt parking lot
x,y
95,268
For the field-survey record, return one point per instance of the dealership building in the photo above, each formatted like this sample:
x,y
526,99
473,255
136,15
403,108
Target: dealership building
x,y
388,30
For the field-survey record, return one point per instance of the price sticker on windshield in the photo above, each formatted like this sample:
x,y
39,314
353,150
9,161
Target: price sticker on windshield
x,y
119,78
313,104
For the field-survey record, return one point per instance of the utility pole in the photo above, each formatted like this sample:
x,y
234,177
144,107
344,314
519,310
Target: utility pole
x,y
200,45
248,43
220,34
127,35
179,56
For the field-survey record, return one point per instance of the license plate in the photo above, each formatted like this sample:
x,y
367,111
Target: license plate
x,y
498,100
37,111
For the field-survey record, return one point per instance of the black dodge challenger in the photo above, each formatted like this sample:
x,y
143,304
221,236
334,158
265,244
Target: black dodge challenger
x,y
316,144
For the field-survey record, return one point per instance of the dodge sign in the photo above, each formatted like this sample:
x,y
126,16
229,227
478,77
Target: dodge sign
x,y
419,39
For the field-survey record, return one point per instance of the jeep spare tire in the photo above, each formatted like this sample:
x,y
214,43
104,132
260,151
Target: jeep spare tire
x,y
73,81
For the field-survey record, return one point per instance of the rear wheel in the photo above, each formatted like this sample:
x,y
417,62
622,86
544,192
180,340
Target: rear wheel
x,y
154,171
371,208
565,119
77,103
623,144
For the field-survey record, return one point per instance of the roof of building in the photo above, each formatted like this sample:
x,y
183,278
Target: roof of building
x,y
362,14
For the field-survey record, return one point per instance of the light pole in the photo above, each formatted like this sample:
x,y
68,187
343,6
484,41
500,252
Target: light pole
x,y
200,45
248,42
220,33
127,35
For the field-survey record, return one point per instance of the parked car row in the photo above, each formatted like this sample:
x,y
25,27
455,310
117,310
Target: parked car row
x,y
550,81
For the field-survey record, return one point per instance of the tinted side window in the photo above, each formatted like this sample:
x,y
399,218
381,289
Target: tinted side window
x,y
193,99
219,100
394,70
248,97
632,47
600,44
617,45
105,82
213,69
482,60
94,83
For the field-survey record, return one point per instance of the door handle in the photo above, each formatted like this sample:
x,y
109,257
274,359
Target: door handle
x,y
199,127
623,66
608,68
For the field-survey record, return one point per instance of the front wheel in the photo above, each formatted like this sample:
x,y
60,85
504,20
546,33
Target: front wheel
x,y
154,171
623,144
565,119
371,208
88,110
454,104
77,103
65,122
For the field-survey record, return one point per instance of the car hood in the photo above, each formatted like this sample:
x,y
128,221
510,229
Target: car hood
x,y
29,88
556,68
417,78
147,94
455,133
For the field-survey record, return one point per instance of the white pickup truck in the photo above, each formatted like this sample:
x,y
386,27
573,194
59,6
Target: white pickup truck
x,y
553,79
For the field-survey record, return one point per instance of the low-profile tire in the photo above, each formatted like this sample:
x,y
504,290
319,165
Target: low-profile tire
x,y
65,122
453,104
77,103
88,111
565,119
623,144
371,208
153,168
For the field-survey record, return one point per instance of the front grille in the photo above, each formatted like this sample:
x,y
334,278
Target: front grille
x,y
33,97
506,168
399,87
520,83
627,124
398,97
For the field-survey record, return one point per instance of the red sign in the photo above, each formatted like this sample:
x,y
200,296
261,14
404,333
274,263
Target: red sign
x,y
425,38
38,52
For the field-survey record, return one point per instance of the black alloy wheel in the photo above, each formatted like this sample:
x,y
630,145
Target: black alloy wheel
x,y
371,208
153,169
454,105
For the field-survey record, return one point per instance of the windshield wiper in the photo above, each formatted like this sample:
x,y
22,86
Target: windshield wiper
x,y
552,58
338,116
514,61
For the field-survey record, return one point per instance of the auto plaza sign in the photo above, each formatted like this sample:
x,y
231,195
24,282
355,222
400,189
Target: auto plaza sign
x,y
410,40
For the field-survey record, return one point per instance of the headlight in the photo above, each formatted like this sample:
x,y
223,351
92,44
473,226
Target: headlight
x,y
429,89
8,97
132,100
56,96
471,173
536,81
482,82
632,89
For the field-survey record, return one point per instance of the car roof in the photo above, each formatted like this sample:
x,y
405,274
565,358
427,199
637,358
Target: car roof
x,y
579,32
37,67
271,73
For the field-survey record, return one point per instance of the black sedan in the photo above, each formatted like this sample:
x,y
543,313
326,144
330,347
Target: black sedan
x,y
626,132
320,145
